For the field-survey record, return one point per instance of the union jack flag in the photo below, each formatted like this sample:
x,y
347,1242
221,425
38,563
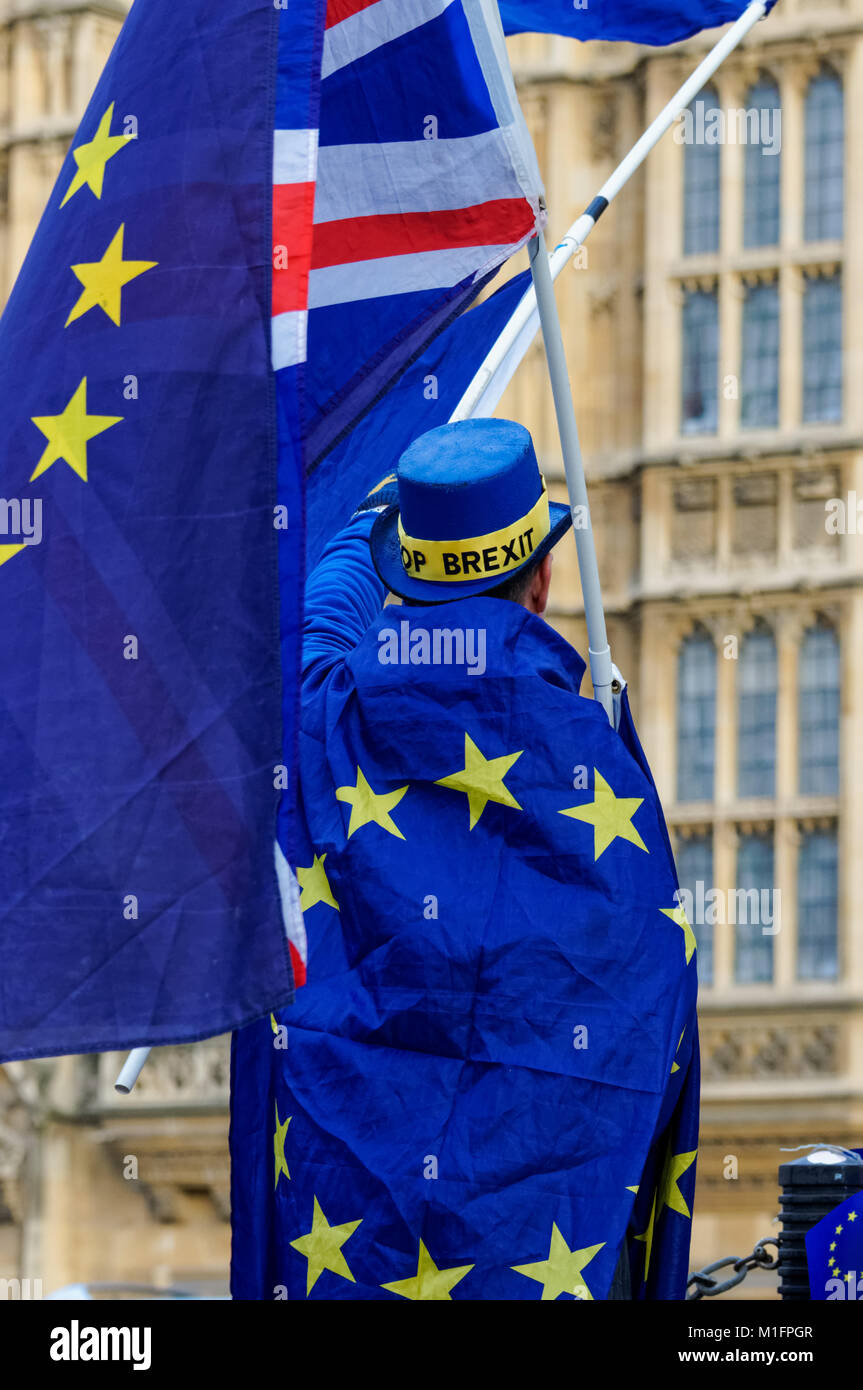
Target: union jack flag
x,y
399,188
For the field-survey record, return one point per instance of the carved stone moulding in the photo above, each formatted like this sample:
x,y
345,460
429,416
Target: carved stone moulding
x,y
758,1050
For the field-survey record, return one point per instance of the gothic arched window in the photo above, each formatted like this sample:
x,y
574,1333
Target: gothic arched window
x,y
825,158
696,717
753,906
762,165
818,718
818,906
756,714
701,181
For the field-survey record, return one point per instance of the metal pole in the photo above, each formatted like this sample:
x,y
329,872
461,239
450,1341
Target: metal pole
x,y
131,1069
597,640
498,368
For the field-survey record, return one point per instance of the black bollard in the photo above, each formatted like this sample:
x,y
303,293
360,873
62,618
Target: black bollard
x,y
811,1187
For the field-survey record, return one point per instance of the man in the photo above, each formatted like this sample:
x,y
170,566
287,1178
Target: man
x,y
483,1089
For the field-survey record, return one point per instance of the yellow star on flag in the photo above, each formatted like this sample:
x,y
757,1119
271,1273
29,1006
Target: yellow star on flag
x,y
7,551
430,1283
675,1066
69,432
831,1261
562,1271
322,1248
647,1237
610,816
93,155
839,1230
678,916
103,280
481,780
368,807
669,1192
279,1146
315,886
852,1216
832,1247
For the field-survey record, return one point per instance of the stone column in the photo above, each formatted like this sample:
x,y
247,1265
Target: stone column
x,y
791,284
730,327
785,880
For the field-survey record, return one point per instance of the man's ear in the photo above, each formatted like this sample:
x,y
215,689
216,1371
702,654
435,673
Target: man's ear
x,y
537,594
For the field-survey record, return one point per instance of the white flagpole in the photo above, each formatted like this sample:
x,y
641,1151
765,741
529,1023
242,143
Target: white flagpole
x,y
131,1069
498,368
601,672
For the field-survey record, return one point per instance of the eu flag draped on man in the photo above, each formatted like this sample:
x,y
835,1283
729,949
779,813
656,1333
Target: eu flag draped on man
x,y
488,1087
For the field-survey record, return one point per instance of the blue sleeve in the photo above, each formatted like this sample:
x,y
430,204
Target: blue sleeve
x,y
343,596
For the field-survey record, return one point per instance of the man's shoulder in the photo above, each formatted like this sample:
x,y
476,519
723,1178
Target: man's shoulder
x,y
482,636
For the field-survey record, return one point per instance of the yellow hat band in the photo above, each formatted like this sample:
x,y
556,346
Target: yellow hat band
x,y
479,556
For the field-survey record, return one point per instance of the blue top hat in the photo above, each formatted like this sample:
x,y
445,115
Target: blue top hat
x,y
473,510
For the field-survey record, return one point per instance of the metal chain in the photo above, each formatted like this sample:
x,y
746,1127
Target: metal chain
x,y
703,1285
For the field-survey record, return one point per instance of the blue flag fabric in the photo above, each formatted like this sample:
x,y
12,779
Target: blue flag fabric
x,y
425,395
656,22
488,1087
834,1253
139,665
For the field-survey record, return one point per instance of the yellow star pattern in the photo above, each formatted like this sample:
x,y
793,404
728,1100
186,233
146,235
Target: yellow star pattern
x,y
562,1271
481,780
675,1066
103,280
839,1230
430,1283
852,1216
7,551
322,1248
69,432
669,1192
369,807
279,1146
647,1236
678,915
610,816
92,157
315,886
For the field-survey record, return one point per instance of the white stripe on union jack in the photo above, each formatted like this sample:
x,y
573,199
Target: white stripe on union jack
x,y
364,31
430,270
289,334
295,156
366,180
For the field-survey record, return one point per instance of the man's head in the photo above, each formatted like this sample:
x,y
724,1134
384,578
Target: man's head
x,y
473,518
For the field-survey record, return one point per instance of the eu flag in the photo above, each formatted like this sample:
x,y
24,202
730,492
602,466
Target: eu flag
x,y
140,729
834,1253
488,1087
